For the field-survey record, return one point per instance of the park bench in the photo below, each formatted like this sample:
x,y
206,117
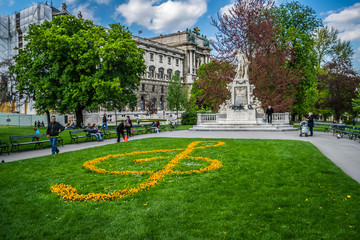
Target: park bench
x,y
344,130
16,141
356,132
150,128
141,128
4,146
75,135
326,126
109,131
352,132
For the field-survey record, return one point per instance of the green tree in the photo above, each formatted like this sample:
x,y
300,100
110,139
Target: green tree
x,y
70,65
176,95
325,40
356,102
297,24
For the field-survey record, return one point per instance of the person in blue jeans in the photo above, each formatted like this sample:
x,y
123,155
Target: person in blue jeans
x,y
53,130
104,122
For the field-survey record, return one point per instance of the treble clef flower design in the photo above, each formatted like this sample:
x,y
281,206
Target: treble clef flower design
x,y
70,194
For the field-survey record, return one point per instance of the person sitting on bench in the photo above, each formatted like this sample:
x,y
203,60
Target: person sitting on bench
x,y
93,132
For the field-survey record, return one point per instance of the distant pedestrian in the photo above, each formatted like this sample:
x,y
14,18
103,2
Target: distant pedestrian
x,y
53,130
42,124
128,126
104,124
269,113
137,119
120,131
310,120
354,121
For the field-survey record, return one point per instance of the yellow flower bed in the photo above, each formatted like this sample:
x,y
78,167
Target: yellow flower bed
x,y
69,193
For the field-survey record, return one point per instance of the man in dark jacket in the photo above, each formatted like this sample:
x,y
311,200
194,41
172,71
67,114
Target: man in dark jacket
x,y
104,122
310,120
120,130
269,113
53,130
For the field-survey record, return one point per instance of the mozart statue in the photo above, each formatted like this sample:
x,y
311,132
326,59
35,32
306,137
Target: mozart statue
x,y
242,65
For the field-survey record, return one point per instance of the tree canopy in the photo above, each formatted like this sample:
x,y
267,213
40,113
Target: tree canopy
x,y
70,65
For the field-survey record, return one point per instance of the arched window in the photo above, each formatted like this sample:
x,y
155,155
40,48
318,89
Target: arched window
x,y
161,73
152,71
169,73
142,103
161,103
153,102
177,73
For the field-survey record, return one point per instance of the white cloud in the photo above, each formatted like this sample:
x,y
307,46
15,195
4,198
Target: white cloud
x,y
347,21
102,1
70,1
87,12
160,16
8,3
225,9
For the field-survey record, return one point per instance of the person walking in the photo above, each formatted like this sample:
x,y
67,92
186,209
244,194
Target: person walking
x,y
120,131
269,113
128,126
310,120
104,122
52,132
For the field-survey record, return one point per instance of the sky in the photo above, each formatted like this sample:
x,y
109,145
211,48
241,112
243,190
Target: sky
x,y
155,17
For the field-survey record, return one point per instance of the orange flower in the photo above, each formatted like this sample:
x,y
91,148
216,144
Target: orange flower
x,y
69,193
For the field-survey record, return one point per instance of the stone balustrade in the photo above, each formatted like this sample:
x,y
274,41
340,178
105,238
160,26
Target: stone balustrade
x,y
278,118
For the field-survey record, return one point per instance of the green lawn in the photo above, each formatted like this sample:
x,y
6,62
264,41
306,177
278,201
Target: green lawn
x,y
7,131
265,189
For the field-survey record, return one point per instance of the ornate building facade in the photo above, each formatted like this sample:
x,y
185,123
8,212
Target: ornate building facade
x,y
179,53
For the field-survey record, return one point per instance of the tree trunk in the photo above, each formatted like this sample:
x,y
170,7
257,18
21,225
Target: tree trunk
x,y
48,116
79,116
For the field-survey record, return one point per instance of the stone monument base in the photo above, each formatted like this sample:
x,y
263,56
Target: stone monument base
x,y
242,121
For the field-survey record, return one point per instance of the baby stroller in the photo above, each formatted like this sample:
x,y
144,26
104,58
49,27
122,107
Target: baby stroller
x,y
304,128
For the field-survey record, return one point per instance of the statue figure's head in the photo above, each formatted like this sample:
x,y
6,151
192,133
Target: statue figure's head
x,y
63,6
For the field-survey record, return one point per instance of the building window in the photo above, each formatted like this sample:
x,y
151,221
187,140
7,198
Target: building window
x,y
160,58
152,71
177,73
151,57
143,87
169,73
153,103
161,104
153,88
169,60
142,103
162,89
177,62
161,73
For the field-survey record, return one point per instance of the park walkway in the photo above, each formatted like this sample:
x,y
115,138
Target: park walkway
x,y
343,152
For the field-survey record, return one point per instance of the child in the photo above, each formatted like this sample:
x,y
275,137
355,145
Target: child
x,y
36,132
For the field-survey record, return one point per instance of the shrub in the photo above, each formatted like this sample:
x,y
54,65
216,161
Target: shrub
x,y
189,118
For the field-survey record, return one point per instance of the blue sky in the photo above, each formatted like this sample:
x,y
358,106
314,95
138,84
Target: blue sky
x,y
154,17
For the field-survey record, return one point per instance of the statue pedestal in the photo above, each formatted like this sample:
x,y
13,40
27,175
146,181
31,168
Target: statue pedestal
x,y
238,117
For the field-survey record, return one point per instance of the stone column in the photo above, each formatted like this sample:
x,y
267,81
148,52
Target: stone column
x,y
191,61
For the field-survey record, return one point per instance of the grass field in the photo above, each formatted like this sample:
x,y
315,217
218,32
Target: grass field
x,y
265,189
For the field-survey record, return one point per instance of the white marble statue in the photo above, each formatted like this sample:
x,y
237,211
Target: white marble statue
x,y
242,65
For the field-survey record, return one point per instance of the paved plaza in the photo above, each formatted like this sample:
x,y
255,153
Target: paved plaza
x,y
343,152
